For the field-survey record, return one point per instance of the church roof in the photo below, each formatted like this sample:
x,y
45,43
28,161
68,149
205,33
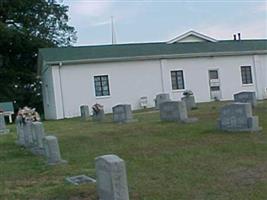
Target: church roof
x,y
141,51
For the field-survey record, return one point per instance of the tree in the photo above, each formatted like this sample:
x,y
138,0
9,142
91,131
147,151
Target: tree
x,y
25,26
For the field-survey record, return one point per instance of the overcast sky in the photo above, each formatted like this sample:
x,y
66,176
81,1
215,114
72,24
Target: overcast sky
x,y
153,21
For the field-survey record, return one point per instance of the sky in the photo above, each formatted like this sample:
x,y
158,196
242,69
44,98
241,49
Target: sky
x,y
158,20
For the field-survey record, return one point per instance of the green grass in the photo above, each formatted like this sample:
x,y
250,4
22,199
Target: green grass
x,y
165,161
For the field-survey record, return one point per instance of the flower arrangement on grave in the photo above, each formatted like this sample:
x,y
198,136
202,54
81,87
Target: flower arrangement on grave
x,y
97,108
28,114
187,93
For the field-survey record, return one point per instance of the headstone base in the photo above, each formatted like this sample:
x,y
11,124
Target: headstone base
x,y
58,162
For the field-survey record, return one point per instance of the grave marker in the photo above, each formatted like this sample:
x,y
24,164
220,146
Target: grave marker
x,y
52,150
160,98
27,133
238,117
111,179
99,116
85,114
246,97
122,113
20,134
38,130
189,102
175,111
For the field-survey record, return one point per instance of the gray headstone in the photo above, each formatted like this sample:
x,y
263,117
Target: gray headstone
x,y
189,102
34,139
85,114
160,98
27,133
111,178
122,113
238,117
173,111
20,134
99,116
52,150
39,135
246,97
3,129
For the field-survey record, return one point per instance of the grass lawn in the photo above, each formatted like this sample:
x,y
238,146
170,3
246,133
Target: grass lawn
x,y
165,161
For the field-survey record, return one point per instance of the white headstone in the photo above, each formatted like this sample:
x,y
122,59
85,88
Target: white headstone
x,y
111,178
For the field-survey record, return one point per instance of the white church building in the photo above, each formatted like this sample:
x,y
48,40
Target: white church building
x,y
123,73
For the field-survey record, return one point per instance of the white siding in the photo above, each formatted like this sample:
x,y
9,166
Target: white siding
x,y
196,75
192,38
128,81
48,94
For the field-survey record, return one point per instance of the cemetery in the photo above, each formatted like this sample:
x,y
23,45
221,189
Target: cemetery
x,y
83,158
140,117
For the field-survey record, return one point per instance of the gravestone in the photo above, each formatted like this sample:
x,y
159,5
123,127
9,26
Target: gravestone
x,y
3,129
122,113
52,150
38,131
20,134
238,117
99,116
111,178
175,111
85,114
33,136
189,102
160,98
246,97
27,134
